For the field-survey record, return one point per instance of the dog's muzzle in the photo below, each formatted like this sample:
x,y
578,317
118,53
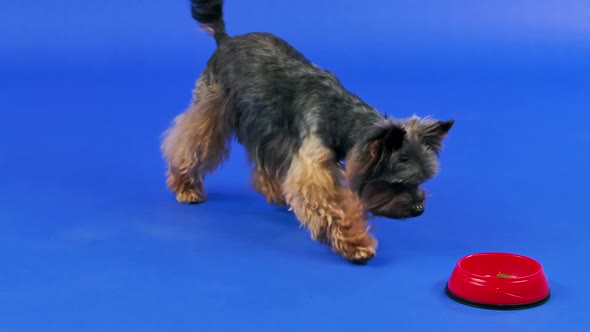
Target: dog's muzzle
x,y
417,210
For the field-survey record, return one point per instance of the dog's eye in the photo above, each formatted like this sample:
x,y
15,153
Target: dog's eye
x,y
404,158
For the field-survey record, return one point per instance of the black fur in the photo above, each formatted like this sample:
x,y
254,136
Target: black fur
x,y
279,98
210,14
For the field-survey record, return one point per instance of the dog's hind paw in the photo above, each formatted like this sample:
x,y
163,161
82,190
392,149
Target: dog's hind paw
x,y
191,197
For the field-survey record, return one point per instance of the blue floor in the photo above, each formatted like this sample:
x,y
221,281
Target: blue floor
x,y
91,239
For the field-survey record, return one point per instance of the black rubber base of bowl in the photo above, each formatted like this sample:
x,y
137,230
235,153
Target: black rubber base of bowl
x,y
495,306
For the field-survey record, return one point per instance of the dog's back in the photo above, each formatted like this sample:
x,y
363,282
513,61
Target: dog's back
x,y
276,93
268,83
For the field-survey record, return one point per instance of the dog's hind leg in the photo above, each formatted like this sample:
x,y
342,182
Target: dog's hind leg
x,y
314,187
198,141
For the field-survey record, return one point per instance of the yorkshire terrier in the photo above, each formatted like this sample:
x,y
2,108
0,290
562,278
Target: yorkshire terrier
x,y
313,145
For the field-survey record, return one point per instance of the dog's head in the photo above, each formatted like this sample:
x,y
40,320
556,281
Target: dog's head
x,y
388,166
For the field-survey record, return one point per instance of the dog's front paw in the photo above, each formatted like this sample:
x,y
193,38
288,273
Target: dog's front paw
x,y
358,252
360,255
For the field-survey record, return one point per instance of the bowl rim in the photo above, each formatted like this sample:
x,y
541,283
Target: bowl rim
x,y
539,267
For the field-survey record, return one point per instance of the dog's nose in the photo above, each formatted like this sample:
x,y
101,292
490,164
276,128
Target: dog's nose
x,y
417,210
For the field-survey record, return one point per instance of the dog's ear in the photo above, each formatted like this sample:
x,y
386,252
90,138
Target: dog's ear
x,y
445,126
387,139
383,139
433,133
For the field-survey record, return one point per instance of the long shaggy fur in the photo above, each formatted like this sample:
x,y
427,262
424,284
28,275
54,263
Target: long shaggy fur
x,y
315,189
299,125
269,187
198,141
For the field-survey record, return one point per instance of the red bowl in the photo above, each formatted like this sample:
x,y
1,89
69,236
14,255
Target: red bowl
x,y
498,281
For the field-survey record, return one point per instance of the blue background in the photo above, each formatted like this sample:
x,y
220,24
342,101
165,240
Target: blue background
x,y
91,240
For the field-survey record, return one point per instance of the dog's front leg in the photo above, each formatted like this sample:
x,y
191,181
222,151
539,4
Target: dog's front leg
x,y
268,186
314,188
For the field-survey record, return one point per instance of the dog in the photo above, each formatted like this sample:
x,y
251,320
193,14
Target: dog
x,y
315,147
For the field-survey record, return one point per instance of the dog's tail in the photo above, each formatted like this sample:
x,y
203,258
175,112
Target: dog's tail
x,y
209,13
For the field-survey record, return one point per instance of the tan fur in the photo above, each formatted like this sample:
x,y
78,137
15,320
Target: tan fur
x,y
315,189
197,142
268,186
208,29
